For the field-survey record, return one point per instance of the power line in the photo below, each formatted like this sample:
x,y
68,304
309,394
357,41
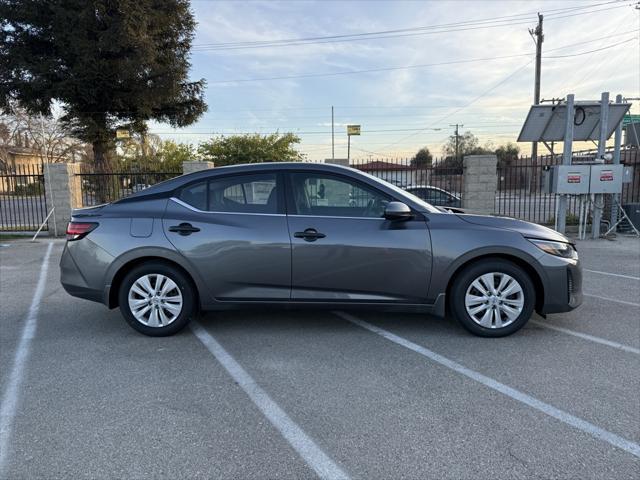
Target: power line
x,y
504,80
492,22
322,132
406,67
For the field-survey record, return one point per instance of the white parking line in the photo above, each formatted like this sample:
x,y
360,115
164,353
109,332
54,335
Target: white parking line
x,y
623,302
297,438
580,424
591,338
612,274
12,390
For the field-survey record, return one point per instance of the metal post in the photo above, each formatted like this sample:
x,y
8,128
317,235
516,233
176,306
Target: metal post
x,y
616,160
348,148
566,160
539,38
53,210
457,142
333,143
602,143
457,139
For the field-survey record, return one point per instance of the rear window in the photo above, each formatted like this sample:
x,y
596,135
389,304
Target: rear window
x,y
195,195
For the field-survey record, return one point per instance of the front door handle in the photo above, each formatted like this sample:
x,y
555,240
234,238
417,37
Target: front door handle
x,y
310,235
184,229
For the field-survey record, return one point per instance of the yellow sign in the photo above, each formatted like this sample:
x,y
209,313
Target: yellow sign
x,y
122,133
353,129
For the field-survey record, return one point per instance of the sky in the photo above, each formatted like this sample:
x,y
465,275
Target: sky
x,y
589,47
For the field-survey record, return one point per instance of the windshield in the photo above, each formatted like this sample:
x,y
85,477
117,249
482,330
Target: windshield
x,y
403,193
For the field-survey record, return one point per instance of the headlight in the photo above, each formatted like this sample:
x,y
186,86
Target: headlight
x,y
559,249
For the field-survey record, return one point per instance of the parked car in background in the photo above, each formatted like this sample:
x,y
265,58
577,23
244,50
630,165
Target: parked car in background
x,y
311,235
435,196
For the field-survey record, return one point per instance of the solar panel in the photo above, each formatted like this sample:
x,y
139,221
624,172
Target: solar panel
x,y
546,123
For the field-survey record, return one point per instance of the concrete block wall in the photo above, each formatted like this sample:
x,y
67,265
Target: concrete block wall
x,y
63,193
195,166
480,183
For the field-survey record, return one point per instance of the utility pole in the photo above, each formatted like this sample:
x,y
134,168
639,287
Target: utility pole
x,y
333,143
538,38
457,139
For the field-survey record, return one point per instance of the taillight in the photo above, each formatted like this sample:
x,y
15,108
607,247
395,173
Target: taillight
x,y
78,230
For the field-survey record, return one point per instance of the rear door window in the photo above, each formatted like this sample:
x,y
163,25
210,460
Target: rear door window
x,y
235,194
244,194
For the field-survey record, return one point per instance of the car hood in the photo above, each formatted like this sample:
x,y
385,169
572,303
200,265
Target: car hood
x,y
527,229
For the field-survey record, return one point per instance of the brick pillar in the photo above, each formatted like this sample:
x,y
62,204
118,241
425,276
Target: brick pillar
x,y
62,189
480,184
195,166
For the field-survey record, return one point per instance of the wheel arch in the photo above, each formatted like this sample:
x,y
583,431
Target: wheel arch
x,y
124,265
525,264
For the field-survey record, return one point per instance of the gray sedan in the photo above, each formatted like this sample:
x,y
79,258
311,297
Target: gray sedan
x,y
311,235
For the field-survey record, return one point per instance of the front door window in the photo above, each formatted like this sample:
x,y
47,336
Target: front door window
x,y
325,195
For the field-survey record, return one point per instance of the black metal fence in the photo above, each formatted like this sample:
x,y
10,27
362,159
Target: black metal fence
x,y
23,205
520,192
98,187
406,173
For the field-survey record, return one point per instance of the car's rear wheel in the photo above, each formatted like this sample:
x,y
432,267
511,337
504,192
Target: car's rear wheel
x,y
492,298
156,299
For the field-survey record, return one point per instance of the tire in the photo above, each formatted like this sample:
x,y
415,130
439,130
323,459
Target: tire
x,y
174,301
475,306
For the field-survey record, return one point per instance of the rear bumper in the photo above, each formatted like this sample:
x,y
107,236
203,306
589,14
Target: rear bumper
x,y
563,289
76,281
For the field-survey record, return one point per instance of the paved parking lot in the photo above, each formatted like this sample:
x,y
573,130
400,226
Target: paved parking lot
x,y
300,394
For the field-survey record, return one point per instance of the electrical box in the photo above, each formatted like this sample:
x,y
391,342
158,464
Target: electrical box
x,y
606,178
570,179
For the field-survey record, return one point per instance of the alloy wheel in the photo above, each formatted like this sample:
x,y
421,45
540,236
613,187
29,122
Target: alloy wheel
x,y
155,300
494,300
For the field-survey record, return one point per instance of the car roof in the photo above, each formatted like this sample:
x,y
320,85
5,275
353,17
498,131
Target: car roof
x,y
425,186
163,189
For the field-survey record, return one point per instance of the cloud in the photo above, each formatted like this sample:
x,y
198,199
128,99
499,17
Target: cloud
x,y
406,99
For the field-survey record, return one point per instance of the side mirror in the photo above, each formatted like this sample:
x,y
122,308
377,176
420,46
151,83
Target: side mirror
x,y
397,211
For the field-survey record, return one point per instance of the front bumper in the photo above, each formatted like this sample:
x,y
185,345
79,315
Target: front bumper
x,y
563,288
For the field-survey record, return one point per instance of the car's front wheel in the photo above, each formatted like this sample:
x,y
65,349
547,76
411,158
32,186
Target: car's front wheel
x,y
156,299
492,298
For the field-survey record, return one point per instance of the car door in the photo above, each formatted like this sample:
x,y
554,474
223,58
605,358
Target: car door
x,y
343,249
233,231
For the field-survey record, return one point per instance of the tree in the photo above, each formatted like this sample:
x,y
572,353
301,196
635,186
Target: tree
x,y
251,149
47,137
422,159
507,153
151,154
468,144
108,64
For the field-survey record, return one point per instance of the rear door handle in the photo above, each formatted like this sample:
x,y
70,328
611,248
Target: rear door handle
x,y
310,235
184,229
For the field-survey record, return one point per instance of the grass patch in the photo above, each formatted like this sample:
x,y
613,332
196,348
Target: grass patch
x,y
13,236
